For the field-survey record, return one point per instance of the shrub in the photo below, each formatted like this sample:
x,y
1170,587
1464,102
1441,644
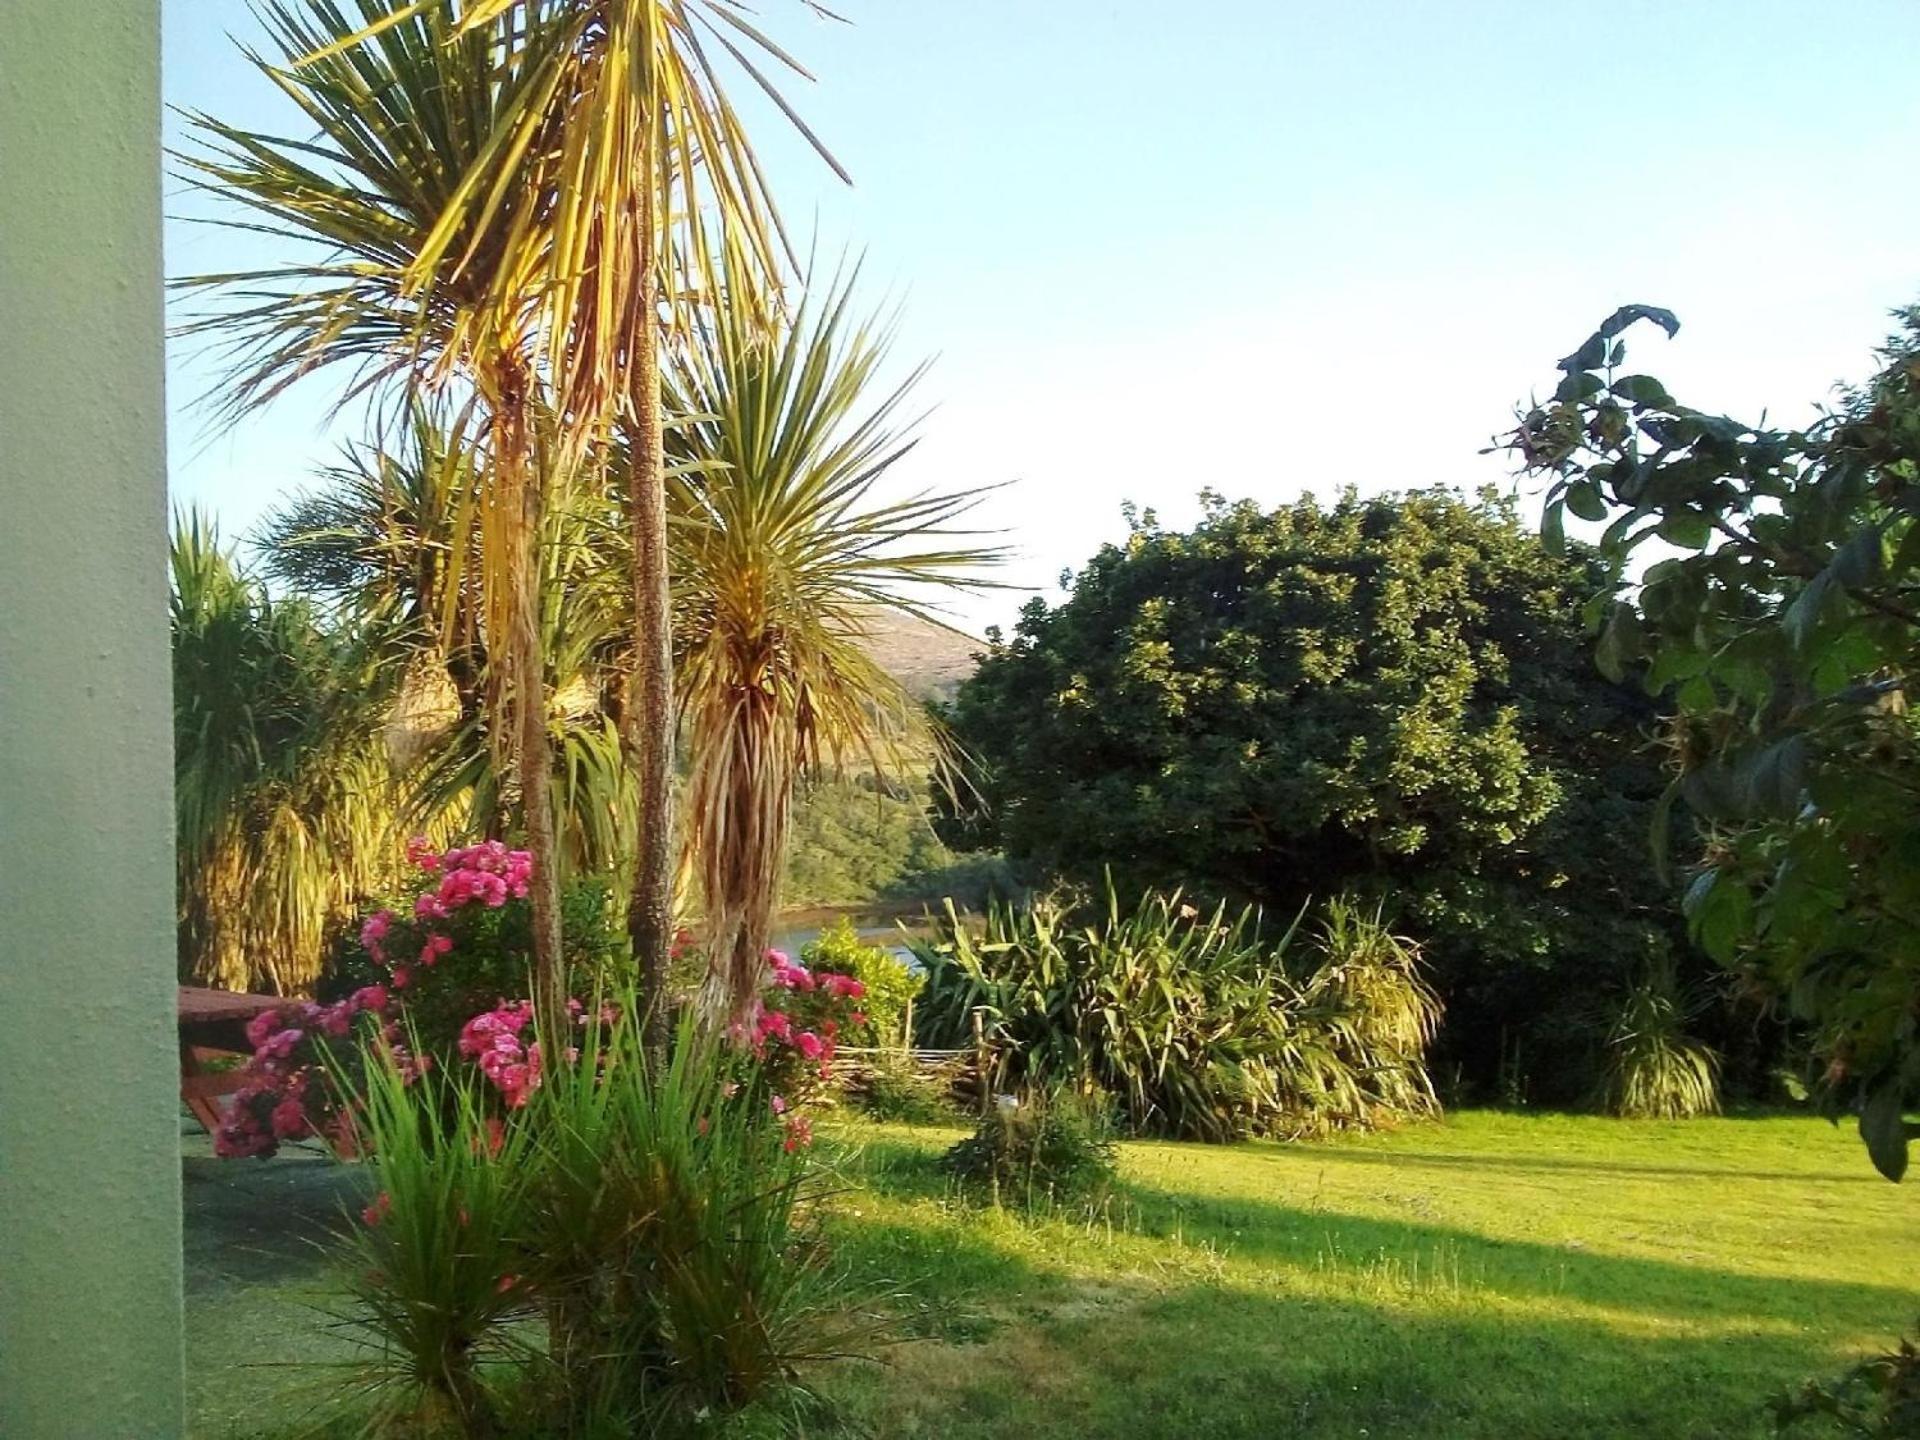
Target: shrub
x,y
1376,1011
656,1222
889,986
893,1089
1192,1021
1053,1145
1654,1069
1878,1398
803,1016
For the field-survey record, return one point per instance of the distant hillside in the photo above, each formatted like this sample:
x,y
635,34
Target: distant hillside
x,y
929,658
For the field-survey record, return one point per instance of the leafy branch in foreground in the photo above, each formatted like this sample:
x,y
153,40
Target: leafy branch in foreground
x,y
1781,610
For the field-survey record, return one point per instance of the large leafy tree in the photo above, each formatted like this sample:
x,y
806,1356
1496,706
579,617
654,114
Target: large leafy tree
x,y
1771,578
506,194
1390,694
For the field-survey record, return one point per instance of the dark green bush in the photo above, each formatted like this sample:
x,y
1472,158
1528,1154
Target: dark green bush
x,y
1392,696
1044,1146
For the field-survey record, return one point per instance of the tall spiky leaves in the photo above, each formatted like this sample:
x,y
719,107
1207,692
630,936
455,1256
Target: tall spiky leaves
x,y
421,187
784,552
284,803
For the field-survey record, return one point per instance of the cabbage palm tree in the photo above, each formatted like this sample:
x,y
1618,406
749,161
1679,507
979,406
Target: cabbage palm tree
x,y
782,553
505,191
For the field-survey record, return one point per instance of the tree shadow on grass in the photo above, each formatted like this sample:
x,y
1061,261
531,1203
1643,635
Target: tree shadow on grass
x,y
1184,1353
1323,1241
1414,1159
1326,1240
262,1221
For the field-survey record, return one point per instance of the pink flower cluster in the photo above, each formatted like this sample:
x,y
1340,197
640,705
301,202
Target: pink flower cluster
x,y
493,1040
283,1097
814,1043
488,873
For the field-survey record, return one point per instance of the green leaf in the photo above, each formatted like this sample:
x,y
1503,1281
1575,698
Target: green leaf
x,y
1619,642
1580,385
1585,500
1697,694
1553,528
1803,616
1858,561
1642,390
1685,528
1719,911
1884,1129
1775,779
1628,314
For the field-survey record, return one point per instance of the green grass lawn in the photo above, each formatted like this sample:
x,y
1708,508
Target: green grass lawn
x,y
1498,1275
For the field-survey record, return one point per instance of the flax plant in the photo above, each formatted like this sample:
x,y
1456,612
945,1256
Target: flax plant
x,y
284,802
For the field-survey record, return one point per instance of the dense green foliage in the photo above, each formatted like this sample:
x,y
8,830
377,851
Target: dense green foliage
x,y
857,839
1391,695
1045,1147
1197,1024
286,811
1779,605
889,985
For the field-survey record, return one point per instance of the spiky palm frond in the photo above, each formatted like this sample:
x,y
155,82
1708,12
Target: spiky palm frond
x,y
285,810
389,526
782,551
500,188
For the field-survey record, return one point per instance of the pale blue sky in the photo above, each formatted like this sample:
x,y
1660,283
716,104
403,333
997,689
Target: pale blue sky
x,y
1266,247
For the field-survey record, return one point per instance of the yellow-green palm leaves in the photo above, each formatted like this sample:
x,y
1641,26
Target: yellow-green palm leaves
x,y
284,802
496,187
782,551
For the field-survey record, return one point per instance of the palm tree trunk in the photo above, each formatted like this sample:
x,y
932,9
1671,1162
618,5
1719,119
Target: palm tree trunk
x,y
533,761
650,701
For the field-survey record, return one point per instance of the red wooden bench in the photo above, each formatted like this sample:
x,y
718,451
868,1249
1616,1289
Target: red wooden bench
x,y
213,1026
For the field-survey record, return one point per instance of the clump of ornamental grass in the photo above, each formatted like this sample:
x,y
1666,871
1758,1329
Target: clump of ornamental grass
x,y
630,1246
436,1271
1373,1015
1654,1069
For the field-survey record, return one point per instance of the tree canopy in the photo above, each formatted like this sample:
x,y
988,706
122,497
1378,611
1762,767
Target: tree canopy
x,y
1391,694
